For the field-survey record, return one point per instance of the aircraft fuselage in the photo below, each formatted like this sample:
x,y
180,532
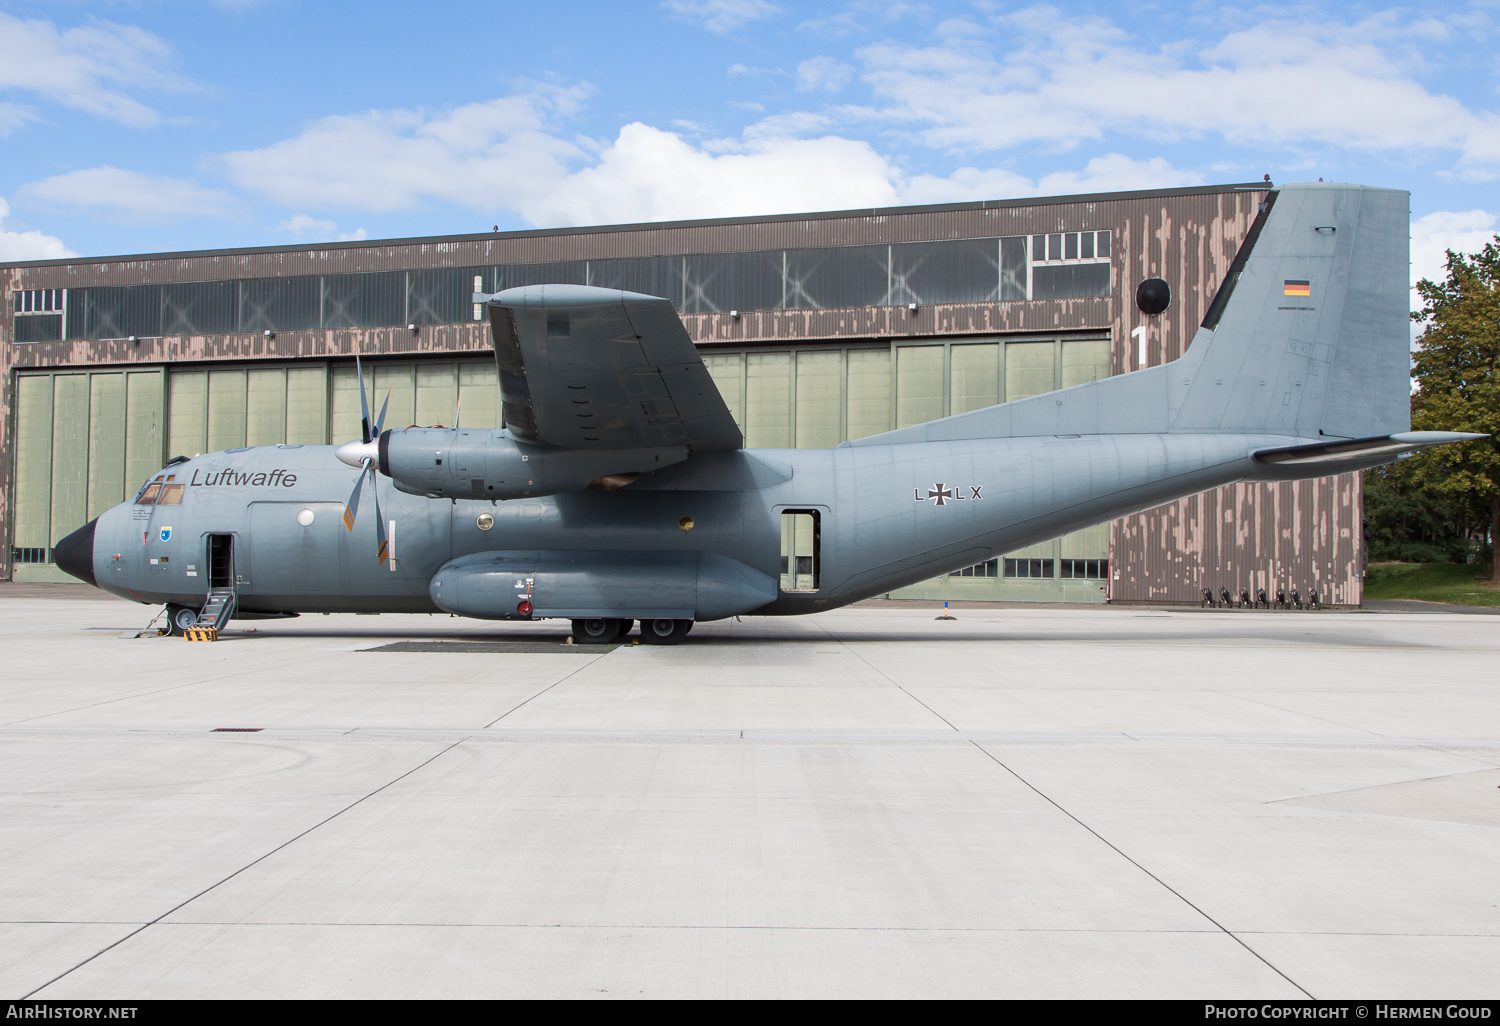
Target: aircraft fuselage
x,y
887,516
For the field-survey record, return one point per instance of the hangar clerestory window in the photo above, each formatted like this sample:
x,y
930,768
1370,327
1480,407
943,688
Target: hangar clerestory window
x,y
38,314
1071,265
1014,268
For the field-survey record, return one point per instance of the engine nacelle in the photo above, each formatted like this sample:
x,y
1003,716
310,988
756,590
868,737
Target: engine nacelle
x,y
581,585
451,463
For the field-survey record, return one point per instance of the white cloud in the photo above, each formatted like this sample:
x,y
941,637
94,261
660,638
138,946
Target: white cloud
x,y
782,126
967,185
1115,172
488,156
507,155
88,68
721,16
1465,231
1060,80
828,74
129,195
1110,173
14,115
647,174
29,245
306,228
861,16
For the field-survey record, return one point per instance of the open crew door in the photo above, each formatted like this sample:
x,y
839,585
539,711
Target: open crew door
x,y
800,536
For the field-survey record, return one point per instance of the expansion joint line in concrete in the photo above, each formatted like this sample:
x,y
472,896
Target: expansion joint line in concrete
x,y
122,698
546,689
1293,712
840,642
1168,887
253,862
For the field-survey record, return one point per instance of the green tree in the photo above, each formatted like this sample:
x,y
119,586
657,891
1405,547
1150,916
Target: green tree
x,y
1407,522
1458,384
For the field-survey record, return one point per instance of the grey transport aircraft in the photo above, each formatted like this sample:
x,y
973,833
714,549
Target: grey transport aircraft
x,y
620,490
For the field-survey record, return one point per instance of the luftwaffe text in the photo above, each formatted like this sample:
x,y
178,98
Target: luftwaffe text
x,y
253,478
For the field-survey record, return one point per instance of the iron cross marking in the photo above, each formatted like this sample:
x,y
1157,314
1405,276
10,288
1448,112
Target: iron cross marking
x,y
941,494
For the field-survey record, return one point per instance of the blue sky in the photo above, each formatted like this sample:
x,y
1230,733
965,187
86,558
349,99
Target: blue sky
x,y
149,126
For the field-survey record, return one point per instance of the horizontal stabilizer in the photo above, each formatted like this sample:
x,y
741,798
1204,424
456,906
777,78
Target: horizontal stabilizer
x,y
1359,449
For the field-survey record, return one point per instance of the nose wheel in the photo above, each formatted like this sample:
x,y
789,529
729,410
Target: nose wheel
x,y
180,618
664,632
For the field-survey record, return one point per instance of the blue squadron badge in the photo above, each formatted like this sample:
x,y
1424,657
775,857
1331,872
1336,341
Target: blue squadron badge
x,y
166,534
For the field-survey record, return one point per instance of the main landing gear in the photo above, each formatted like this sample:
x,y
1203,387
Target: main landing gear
x,y
604,630
600,630
664,632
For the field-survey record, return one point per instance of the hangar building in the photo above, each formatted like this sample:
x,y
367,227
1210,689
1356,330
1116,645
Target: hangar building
x,y
817,327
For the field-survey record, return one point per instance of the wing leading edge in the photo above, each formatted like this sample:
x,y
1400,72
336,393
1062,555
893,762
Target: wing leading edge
x,y
592,368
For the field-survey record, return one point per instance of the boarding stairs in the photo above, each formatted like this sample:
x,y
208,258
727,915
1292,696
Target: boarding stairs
x,y
219,608
214,615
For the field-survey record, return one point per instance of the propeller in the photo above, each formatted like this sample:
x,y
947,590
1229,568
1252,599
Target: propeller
x,y
363,454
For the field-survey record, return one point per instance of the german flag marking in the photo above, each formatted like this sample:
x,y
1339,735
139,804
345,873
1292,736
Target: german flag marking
x,y
1291,287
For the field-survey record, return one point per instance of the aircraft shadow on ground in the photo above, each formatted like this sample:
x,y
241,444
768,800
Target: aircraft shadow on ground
x,y
752,636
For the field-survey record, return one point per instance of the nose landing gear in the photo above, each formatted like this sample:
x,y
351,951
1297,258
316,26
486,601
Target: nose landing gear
x,y
180,618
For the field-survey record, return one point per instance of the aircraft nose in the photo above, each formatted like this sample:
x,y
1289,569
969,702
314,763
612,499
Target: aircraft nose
x,y
75,553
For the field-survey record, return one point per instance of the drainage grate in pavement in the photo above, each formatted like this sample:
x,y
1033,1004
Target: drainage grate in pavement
x,y
237,730
491,646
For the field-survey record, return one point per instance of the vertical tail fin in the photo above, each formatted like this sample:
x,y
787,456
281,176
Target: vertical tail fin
x,y
1309,334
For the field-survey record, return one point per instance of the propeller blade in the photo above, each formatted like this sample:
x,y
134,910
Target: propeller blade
x,y
351,508
382,545
380,420
364,405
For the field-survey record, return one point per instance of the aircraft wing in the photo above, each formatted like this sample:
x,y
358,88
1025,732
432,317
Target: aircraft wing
x,y
591,368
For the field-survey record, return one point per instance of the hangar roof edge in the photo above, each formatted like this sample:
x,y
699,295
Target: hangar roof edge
x,y
534,233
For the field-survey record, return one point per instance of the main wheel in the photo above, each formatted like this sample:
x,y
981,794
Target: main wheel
x,y
664,632
598,631
180,618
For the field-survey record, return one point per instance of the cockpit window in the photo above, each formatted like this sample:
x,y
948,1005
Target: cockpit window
x,y
149,495
171,495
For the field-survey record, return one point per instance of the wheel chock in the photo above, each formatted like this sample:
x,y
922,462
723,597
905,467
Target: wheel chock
x,y
201,634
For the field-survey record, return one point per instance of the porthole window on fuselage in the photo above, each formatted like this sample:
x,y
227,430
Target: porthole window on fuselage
x,y
484,521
